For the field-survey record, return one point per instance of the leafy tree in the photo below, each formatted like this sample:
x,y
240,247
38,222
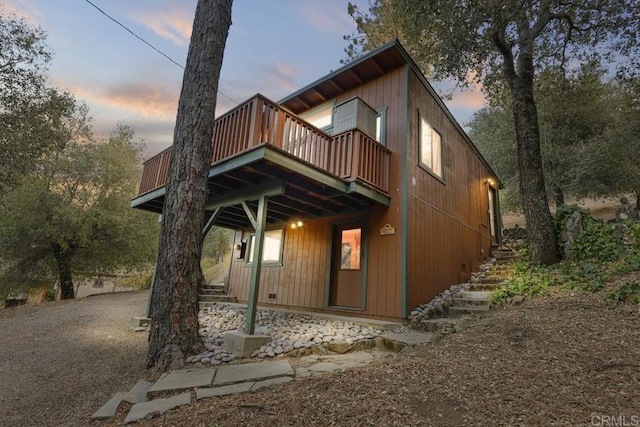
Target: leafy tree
x,y
586,133
503,45
34,118
71,216
217,243
174,300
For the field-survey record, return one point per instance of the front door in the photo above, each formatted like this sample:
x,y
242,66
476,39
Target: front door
x,y
347,266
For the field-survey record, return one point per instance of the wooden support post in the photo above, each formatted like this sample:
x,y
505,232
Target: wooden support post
x,y
209,224
258,246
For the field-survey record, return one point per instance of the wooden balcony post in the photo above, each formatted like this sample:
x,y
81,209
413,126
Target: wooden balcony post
x,y
256,121
279,128
356,142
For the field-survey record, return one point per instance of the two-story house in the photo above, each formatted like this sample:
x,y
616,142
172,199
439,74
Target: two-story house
x,y
367,196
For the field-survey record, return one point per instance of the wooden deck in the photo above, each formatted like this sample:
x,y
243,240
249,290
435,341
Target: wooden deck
x,y
350,156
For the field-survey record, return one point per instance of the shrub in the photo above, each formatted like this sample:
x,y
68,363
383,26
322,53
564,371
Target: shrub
x,y
627,291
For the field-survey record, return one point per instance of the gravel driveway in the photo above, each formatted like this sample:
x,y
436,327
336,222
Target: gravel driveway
x,y
60,362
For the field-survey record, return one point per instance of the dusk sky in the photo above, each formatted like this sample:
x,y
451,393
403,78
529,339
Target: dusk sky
x,y
274,48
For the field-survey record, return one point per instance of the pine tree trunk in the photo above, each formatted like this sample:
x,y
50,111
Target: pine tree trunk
x,y
540,229
63,262
174,311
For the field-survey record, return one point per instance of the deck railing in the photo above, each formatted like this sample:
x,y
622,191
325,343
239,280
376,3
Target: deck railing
x,y
350,155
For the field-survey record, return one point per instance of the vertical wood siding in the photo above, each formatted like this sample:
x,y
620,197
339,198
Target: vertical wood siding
x,y
302,280
447,220
447,227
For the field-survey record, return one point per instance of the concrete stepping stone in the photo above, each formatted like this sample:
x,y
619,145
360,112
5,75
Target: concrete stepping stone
x,y
252,372
270,382
410,338
182,380
138,393
324,367
202,393
109,409
156,407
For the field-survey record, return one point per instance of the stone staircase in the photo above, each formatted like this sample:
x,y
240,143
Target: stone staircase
x,y
213,293
477,298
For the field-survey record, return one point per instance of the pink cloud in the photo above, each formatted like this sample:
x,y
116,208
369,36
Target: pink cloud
x,y
473,98
148,101
22,9
174,25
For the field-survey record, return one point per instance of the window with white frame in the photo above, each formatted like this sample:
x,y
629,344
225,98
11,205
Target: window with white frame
x,y
272,248
320,116
381,126
430,148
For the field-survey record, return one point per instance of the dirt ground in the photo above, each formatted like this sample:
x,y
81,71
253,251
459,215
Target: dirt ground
x,y
61,361
562,359
603,208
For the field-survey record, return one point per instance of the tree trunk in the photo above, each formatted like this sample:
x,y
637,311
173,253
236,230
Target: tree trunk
x,y
540,229
174,311
63,262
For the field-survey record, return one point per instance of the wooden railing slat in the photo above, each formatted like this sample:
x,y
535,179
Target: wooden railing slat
x,y
350,155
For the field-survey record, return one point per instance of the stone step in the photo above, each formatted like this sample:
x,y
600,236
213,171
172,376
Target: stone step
x,y
440,324
506,260
214,286
217,298
208,291
502,270
487,287
505,254
469,302
490,280
468,310
478,295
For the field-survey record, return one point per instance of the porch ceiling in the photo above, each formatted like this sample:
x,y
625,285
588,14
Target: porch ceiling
x,y
296,190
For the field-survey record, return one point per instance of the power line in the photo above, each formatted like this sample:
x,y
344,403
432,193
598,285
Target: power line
x,y
150,45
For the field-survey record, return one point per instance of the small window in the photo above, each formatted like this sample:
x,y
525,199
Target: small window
x,y
381,126
321,116
350,249
272,250
430,148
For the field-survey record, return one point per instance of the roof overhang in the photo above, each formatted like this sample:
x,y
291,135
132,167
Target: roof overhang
x,y
356,73
368,67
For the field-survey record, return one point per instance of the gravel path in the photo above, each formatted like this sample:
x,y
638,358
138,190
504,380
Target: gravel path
x,y
59,362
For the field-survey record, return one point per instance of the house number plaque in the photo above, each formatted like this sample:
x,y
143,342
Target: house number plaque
x,y
387,230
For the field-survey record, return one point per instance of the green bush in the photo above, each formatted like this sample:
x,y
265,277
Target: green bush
x,y
627,291
138,282
527,280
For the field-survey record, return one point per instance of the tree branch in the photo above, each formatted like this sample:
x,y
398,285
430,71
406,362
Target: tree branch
x,y
504,47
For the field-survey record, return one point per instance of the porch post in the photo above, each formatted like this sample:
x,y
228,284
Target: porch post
x,y
258,246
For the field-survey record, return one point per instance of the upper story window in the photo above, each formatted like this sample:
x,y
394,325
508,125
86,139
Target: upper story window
x,y
320,116
381,126
430,148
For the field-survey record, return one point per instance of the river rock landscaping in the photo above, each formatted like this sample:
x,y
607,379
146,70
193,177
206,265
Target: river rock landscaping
x,y
290,332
